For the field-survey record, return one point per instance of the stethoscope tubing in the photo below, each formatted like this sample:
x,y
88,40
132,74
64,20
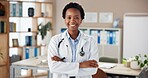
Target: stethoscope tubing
x,y
82,53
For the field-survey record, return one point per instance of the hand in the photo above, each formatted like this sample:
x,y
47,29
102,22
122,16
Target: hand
x,y
56,58
89,64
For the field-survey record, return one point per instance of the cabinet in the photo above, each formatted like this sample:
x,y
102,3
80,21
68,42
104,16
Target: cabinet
x,y
4,41
25,16
109,41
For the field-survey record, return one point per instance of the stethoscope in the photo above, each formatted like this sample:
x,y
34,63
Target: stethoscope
x,y
82,53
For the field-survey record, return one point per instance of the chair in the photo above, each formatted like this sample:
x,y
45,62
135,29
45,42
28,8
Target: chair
x,y
100,74
144,73
108,59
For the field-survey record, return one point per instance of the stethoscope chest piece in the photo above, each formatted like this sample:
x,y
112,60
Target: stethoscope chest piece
x,y
82,53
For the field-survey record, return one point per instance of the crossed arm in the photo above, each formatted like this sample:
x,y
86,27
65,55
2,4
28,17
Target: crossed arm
x,y
85,64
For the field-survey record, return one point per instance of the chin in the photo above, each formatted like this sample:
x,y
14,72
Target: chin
x,y
71,29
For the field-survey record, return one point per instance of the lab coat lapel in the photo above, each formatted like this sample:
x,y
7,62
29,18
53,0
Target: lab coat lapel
x,y
67,45
83,40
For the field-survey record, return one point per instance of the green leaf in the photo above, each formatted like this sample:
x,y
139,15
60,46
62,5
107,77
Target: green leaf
x,y
138,62
145,61
145,55
43,29
141,65
136,57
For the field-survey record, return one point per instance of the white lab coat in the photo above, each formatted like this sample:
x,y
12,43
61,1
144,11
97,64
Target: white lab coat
x,y
68,68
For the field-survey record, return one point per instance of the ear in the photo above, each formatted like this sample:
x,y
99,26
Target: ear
x,y
81,20
64,20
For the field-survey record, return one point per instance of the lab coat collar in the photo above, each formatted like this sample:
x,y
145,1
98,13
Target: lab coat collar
x,y
64,36
83,38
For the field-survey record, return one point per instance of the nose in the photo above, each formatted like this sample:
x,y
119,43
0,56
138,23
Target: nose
x,y
72,19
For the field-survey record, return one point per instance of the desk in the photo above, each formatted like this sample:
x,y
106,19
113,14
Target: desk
x,y
121,70
35,63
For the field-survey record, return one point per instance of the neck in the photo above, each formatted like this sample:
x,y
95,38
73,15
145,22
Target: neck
x,y
73,34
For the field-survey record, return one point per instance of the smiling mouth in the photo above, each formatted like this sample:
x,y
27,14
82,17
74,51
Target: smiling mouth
x,y
72,25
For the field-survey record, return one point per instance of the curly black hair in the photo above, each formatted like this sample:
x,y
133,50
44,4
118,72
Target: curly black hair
x,y
73,5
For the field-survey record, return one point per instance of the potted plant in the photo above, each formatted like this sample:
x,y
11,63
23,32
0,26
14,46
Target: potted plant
x,y
135,62
139,62
144,62
44,28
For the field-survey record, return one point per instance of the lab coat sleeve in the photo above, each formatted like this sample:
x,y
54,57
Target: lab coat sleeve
x,y
60,67
93,56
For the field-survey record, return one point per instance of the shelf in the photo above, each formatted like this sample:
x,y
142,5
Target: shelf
x,y
4,50
109,40
21,24
3,65
3,33
42,15
30,17
24,32
45,2
38,46
3,0
40,9
109,45
2,18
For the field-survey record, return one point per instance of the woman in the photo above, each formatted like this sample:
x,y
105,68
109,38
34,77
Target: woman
x,y
72,54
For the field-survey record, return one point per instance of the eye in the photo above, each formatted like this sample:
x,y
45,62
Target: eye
x,y
68,17
76,17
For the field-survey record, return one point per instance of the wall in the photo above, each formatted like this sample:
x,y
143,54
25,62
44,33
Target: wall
x,y
117,7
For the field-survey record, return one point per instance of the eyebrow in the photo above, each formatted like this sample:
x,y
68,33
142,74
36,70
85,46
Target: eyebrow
x,y
70,15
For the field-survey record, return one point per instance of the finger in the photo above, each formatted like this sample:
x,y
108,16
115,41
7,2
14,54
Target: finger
x,y
52,58
94,64
55,58
94,61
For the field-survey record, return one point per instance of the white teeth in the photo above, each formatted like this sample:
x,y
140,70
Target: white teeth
x,y
72,25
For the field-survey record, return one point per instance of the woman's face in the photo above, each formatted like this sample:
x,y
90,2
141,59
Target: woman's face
x,y
73,19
